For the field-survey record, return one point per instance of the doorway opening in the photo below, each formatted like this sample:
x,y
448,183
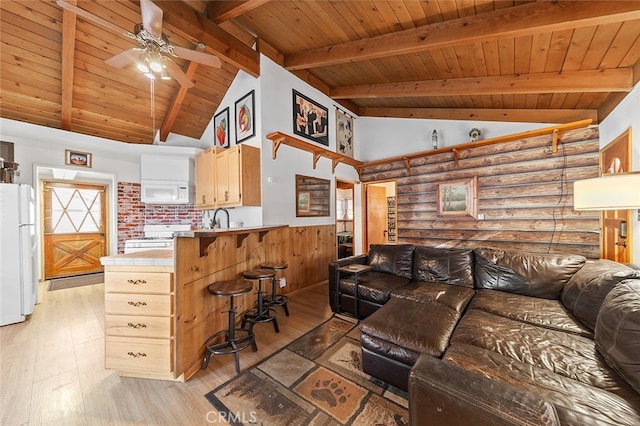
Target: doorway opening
x,y
344,218
380,212
616,225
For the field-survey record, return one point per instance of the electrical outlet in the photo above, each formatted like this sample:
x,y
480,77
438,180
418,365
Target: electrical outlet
x,y
480,216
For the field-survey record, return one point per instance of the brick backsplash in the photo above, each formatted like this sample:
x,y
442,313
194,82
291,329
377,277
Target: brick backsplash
x,y
133,214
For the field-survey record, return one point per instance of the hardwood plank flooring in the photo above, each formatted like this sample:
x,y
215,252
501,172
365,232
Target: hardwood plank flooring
x,y
52,365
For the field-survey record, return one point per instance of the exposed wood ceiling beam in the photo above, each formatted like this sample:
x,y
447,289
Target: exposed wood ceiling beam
x,y
614,99
68,52
527,19
480,114
612,80
180,18
176,104
221,11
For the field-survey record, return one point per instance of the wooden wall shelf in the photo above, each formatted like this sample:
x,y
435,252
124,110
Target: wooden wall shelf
x,y
552,130
279,138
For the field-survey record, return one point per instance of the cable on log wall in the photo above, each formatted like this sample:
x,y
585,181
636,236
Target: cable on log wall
x,y
525,192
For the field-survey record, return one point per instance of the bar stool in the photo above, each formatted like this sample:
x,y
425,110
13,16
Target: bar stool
x,y
233,342
276,300
262,313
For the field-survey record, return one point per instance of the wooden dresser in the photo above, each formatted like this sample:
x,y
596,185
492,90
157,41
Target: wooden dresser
x,y
139,318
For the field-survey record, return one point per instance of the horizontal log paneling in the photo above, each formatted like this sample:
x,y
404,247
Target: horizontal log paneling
x,y
525,193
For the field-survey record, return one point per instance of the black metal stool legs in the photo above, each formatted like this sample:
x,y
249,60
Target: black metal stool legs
x,y
260,314
276,300
235,339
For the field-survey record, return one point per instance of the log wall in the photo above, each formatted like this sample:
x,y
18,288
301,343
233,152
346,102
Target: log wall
x,y
525,192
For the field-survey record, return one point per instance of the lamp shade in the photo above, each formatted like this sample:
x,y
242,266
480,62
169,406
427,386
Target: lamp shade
x,y
616,191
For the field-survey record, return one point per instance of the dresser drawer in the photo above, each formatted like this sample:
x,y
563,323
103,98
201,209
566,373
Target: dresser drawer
x,y
138,304
138,282
138,326
138,354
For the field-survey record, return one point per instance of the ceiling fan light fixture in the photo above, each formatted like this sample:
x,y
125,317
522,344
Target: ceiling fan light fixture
x,y
142,67
150,75
155,65
163,73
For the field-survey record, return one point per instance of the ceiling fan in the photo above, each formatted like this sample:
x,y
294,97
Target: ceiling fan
x,y
153,56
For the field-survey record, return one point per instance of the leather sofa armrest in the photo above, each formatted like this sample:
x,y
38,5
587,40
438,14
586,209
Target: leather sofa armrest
x,y
443,393
334,276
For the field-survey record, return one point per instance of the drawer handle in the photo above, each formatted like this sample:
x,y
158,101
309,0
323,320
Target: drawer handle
x,y
137,303
138,325
137,354
136,282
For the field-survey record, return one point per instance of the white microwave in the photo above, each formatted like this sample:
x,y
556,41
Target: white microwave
x,y
165,192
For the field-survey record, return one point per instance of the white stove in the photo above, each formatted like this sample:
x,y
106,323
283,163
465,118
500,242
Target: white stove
x,y
156,237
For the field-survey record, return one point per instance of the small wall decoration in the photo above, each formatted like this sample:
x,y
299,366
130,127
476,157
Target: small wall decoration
x,y
77,158
221,126
313,196
245,117
344,133
475,134
391,219
458,199
310,119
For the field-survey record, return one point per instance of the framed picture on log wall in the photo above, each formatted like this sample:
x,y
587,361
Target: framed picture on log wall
x,y
310,119
313,196
458,199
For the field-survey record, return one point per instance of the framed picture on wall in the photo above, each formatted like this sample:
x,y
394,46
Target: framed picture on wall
x,y
245,117
77,158
458,199
310,119
221,127
344,133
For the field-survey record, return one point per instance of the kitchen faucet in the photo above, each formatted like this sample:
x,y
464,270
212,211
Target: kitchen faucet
x,y
215,213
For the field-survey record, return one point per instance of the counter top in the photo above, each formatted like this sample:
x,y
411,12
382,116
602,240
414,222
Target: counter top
x,y
141,258
209,233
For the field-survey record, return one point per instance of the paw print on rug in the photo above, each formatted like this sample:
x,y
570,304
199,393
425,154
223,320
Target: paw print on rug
x,y
330,392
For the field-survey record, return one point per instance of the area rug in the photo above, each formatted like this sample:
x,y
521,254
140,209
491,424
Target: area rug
x,y
76,281
315,380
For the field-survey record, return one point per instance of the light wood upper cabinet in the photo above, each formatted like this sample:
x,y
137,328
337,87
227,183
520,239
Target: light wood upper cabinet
x,y
205,179
238,176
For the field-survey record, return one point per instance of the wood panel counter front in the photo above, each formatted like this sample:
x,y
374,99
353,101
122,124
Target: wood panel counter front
x,y
204,257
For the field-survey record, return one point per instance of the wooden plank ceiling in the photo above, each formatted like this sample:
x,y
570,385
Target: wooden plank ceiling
x,y
541,61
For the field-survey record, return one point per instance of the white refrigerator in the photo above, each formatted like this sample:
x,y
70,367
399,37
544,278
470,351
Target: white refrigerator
x,y
18,244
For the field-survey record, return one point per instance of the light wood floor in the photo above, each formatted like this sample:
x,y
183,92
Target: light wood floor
x,y
52,366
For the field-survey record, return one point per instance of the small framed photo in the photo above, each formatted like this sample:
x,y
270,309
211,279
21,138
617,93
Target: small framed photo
x,y
304,198
310,119
77,158
245,117
458,199
221,127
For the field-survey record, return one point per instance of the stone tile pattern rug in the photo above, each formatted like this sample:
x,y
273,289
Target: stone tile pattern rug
x,y
315,380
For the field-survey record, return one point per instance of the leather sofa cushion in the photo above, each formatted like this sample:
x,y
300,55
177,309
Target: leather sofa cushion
x,y
538,275
618,331
403,329
373,286
447,266
453,296
588,287
533,310
393,259
569,355
576,403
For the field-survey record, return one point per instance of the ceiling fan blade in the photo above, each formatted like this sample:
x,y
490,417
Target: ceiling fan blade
x,y
124,58
91,17
177,73
199,57
151,17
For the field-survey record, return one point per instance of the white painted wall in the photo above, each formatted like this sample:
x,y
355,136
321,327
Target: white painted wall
x,y
623,117
377,138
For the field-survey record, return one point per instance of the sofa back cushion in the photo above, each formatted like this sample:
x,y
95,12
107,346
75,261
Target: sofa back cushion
x,y
617,331
393,259
588,287
537,275
450,266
